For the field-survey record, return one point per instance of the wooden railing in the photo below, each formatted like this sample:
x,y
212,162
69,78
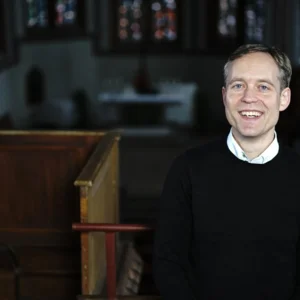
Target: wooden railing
x,y
99,203
110,231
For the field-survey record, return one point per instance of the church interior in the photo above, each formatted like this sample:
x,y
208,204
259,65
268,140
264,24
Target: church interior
x,y
97,97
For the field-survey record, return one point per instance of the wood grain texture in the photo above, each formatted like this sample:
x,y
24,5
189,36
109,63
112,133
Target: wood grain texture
x,y
39,203
99,203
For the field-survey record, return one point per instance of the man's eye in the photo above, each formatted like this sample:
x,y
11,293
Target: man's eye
x,y
263,87
237,86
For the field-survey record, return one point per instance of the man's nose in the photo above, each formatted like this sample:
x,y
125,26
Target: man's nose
x,y
249,95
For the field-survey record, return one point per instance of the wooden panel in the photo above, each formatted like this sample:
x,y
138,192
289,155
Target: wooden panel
x,y
57,286
38,172
7,285
101,209
52,271
47,193
38,237
38,205
49,259
100,204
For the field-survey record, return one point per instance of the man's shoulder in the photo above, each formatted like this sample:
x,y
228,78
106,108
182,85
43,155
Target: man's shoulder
x,y
210,149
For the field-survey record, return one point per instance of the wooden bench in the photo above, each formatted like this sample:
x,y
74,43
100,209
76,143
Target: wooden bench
x,y
39,203
122,277
121,298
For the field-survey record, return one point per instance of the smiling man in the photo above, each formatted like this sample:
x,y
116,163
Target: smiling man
x,y
229,220
256,90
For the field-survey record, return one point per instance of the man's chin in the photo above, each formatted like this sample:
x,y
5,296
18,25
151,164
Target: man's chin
x,y
248,133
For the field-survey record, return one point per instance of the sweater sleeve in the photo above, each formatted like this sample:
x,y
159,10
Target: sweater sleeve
x,y
173,234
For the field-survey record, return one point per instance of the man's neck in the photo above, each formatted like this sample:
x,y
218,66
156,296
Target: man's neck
x,y
254,146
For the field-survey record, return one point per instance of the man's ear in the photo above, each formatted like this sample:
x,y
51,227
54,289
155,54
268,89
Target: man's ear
x,y
224,94
285,99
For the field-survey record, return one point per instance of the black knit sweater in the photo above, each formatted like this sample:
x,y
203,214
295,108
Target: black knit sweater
x,y
228,229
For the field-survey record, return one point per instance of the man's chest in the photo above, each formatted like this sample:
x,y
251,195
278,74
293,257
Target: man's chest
x,y
256,210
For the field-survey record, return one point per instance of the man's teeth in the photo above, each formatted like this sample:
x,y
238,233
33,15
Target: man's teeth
x,y
251,114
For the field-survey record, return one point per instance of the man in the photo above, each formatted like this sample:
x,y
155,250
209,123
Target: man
x,y
230,210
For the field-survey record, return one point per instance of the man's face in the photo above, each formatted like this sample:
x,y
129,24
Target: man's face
x,y
252,96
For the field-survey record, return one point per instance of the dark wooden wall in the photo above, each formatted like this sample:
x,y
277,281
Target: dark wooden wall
x,y
38,204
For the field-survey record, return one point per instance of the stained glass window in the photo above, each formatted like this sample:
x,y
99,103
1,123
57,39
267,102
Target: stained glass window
x,y
255,20
65,11
227,18
164,20
37,13
130,27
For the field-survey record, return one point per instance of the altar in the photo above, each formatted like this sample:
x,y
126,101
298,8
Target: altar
x,y
140,109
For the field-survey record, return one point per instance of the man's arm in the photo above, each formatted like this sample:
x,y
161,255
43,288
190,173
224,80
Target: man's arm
x,y
173,234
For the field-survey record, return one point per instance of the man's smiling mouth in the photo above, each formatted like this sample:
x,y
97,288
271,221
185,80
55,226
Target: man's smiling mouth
x,y
251,113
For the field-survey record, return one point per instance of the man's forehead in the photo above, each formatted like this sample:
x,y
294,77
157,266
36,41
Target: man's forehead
x,y
254,66
258,60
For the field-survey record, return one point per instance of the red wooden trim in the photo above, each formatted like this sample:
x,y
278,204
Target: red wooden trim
x,y
107,227
110,238
110,245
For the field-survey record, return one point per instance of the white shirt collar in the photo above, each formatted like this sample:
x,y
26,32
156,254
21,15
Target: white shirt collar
x,y
265,157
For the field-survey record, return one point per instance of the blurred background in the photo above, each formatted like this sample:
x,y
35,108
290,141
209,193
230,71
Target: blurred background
x,y
153,68
88,63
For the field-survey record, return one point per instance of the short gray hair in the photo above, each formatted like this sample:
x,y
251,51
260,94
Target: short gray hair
x,y
280,58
